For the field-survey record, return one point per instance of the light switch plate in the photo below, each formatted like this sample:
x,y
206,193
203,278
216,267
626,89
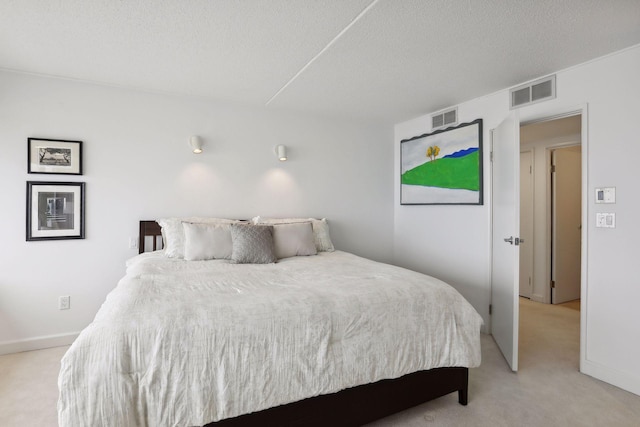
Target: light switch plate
x,y
605,220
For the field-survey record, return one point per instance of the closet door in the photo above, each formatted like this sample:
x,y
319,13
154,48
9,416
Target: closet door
x,y
566,188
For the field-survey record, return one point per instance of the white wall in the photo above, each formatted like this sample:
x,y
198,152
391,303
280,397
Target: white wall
x,y
447,241
137,165
453,242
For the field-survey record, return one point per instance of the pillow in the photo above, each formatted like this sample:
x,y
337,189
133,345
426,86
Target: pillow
x,y
207,241
262,220
173,233
321,234
252,244
293,239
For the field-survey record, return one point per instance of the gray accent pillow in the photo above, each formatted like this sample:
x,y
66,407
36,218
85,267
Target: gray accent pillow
x,y
252,244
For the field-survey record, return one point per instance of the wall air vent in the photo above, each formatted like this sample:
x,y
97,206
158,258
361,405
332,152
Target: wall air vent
x,y
444,119
531,93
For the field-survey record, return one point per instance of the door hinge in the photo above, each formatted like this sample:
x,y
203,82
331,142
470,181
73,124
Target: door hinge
x,y
490,309
553,284
491,156
553,168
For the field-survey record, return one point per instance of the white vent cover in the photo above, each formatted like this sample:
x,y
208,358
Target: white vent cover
x,y
444,118
530,93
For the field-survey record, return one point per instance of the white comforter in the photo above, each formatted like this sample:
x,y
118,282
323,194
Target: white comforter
x,y
183,343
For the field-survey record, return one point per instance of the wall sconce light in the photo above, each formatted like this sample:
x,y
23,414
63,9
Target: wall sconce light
x,y
281,153
196,144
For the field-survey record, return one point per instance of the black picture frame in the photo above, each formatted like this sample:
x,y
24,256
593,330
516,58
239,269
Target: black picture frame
x,y
54,156
55,210
443,167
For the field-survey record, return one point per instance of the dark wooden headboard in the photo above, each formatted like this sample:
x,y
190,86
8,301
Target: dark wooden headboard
x,y
150,236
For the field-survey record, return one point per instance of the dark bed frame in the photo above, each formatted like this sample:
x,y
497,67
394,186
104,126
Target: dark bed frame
x,y
350,407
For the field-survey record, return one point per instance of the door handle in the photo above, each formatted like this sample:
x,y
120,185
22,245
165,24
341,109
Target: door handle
x,y
513,240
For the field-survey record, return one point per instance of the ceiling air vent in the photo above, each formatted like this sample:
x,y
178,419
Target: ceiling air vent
x,y
444,118
530,93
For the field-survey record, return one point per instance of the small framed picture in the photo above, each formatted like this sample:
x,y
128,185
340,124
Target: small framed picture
x,y
55,156
55,210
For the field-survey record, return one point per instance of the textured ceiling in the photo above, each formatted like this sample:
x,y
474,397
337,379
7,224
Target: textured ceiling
x,y
386,60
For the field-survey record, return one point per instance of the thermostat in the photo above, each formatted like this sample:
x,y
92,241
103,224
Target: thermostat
x,y
606,195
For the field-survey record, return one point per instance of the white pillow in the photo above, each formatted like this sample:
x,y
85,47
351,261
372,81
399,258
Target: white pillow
x,y
207,241
173,232
321,235
294,239
262,220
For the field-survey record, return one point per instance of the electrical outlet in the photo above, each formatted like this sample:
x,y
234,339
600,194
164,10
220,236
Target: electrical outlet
x,y
64,303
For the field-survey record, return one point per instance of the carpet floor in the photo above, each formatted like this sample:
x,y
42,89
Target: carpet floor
x,y
547,391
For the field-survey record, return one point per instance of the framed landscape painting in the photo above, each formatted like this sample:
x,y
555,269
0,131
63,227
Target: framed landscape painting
x,y
55,156
443,167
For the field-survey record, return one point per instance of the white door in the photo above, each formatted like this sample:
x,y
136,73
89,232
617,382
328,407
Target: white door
x,y
526,223
566,226
505,229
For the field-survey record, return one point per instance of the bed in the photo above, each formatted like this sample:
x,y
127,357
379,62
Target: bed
x,y
330,339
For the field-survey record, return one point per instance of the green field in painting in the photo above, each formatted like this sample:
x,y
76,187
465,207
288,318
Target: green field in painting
x,y
450,172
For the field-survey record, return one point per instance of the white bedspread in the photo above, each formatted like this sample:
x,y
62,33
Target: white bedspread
x,y
184,343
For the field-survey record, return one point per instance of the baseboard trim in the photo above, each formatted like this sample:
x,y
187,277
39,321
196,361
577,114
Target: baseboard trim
x,y
538,298
620,379
37,343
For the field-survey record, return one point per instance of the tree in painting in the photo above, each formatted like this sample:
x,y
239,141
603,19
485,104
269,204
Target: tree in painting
x,y
432,152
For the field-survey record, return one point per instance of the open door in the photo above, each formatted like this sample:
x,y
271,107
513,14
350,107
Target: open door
x,y
505,173
566,225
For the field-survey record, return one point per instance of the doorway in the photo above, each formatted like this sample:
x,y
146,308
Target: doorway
x,y
550,209
551,224
506,144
